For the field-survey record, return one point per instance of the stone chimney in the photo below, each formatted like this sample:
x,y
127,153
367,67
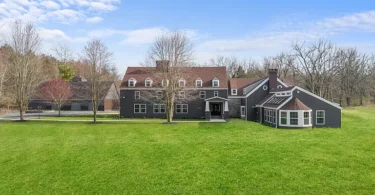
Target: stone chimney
x,y
272,74
162,65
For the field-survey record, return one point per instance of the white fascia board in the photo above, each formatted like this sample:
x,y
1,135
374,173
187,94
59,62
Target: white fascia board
x,y
318,97
256,88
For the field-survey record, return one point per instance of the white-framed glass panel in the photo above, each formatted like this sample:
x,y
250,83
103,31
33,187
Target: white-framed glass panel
x,y
159,108
274,117
306,118
234,91
283,118
181,95
202,94
181,83
293,118
139,108
216,93
198,83
137,95
181,108
243,110
148,83
164,82
320,117
132,82
215,82
159,95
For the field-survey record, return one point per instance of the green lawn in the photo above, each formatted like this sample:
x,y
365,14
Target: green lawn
x,y
188,158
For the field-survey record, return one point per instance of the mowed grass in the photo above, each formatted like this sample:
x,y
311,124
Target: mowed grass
x,y
238,157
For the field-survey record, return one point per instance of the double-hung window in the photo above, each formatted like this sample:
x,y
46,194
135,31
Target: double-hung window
x,y
137,95
159,95
181,108
159,108
181,83
139,108
234,91
131,82
215,83
283,118
320,117
148,83
293,118
202,95
198,83
306,118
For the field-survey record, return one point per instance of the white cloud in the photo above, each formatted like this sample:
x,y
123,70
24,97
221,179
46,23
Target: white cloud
x,y
143,36
95,19
50,4
353,22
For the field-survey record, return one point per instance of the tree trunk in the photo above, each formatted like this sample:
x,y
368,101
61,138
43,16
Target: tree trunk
x,y
59,112
348,101
361,100
94,109
21,112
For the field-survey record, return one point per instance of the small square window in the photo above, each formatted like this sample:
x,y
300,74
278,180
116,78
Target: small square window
x,y
216,93
198,83
215,83
202,95
234,91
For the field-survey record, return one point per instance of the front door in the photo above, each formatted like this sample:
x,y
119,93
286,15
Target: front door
x,y
215,109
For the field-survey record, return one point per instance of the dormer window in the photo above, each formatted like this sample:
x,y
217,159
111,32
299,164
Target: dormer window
x,y
198,83
234,91
132,82
148,83
164,82
181,83
215,82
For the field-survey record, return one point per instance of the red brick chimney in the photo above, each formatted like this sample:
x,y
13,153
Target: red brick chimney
x,y
272,74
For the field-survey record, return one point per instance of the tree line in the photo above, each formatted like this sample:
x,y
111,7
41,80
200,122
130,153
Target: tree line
x,y
340,74
23,68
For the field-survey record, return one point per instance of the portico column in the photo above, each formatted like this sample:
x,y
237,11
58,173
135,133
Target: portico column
x,y
226,107
207,106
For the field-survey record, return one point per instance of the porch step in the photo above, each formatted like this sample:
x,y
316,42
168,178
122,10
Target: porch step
x,y
218,120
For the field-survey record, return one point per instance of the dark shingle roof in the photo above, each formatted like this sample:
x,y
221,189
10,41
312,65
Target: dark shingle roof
x,y
206,74
241,83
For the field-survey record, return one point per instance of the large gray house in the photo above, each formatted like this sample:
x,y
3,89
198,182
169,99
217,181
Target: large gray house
x,y
265,100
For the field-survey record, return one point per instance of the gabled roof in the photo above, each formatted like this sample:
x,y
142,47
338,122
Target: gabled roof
x,y
295,104
206,74
241,83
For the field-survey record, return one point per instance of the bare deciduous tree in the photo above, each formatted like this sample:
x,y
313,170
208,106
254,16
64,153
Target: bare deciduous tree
x,y
24,66
56,90
174,52
98,59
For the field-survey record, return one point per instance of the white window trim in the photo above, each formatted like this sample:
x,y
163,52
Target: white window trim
x,y
148,80
182,108
159,109
216,93
279,86
316,117
181,95
134,81
298,117
301,118
140,109
244,112
234,91
157,96
201,93
265,87
163,82
305,118
286,117
213,82
139,94
200,81
179,82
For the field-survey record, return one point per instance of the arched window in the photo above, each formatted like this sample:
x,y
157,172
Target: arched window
x,y
132,82
148,82
215,82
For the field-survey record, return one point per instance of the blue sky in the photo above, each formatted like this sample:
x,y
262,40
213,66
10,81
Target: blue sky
x,y
248,29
